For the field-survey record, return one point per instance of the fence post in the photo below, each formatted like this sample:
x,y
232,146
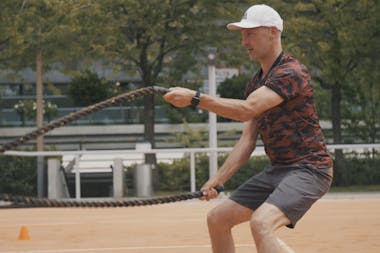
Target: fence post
x,y
55,184
77,178
118,178
192,171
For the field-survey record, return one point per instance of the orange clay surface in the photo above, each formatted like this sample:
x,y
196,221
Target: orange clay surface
x,y
335,224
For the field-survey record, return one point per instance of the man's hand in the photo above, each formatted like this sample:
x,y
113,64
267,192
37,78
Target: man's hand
x,y
209,191
179,97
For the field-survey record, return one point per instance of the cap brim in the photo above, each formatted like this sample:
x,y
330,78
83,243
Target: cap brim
x,y
241,25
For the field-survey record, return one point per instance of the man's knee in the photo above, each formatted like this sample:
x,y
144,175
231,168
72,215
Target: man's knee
x,y
227,215
260,225
266,219
217,217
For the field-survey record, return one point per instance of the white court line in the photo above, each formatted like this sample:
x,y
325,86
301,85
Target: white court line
x,y
122,248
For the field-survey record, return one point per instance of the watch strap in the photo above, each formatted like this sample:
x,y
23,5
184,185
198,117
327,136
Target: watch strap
x,y
196,99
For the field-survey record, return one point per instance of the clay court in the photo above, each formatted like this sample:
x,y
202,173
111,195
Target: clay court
x,y
335,224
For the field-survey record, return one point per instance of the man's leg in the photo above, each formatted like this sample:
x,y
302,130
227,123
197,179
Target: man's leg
x,y
284,246
264,222
220,221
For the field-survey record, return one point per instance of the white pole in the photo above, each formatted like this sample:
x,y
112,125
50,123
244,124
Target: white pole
x,y
192,172
213,165
77,178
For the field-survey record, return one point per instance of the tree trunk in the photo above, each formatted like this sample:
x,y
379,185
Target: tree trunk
x,y
336,98
40,122
149,117
341,177
39,98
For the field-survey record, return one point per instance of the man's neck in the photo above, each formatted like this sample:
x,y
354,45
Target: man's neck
x,y
267,63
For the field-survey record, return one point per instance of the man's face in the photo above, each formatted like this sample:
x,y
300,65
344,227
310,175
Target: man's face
x,y
257,41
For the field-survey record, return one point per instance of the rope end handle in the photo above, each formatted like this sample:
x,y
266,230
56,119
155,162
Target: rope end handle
x,y
219,188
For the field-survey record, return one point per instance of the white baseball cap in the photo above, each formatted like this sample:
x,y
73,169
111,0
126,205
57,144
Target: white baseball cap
x,y
258,15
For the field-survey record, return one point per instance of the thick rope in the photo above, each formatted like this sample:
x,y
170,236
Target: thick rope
x,y
83,112
29,202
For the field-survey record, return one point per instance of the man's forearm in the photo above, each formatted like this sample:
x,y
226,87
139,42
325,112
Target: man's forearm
x,y
233,163
240,153
236,109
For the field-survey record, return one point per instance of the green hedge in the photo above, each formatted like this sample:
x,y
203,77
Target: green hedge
x,y
176,176
360,169
18,175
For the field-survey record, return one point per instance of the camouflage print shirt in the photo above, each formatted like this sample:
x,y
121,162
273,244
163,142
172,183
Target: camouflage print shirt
x,y
290,131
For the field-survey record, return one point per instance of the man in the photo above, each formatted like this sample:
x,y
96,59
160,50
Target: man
x,y
279,107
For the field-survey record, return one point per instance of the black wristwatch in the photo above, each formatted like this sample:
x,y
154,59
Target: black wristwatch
x,y
196,99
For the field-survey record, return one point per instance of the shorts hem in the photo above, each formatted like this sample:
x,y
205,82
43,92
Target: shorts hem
x,y
293,221
241,203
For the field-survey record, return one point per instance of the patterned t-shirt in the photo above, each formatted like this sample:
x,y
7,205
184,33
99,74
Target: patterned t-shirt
x,y
290,131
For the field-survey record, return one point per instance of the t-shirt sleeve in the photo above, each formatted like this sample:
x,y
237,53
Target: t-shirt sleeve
x,y
288,82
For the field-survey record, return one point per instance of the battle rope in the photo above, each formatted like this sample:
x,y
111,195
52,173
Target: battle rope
x,y
28,202
83,112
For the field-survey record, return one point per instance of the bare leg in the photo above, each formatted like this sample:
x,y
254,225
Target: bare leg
x,y
284,246
220,221
264,222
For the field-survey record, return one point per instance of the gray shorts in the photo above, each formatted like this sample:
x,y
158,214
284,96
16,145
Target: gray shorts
x,y
293,189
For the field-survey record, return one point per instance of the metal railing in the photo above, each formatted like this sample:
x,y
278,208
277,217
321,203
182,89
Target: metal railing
x,y
126,154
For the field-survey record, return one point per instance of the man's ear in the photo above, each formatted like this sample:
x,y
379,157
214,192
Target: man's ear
x,y
275,33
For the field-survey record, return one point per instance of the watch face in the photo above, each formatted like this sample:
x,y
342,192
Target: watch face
x,y
195,100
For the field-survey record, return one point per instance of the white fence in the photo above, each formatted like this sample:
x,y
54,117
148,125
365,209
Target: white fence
x,y
137,157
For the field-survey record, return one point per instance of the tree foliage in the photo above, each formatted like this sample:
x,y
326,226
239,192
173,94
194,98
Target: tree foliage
x,y
88,88
162,40
28,25
234,87
335,38
18,175
165,42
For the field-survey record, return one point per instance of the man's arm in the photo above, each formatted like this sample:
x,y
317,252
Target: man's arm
x,y
238,156
258,102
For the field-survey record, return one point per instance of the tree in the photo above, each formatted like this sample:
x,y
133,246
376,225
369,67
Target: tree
x,y
361,107
87,89
40,33
330,36
160,40
234,88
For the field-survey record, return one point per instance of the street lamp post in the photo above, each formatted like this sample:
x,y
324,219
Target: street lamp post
x,y
213,164
40,123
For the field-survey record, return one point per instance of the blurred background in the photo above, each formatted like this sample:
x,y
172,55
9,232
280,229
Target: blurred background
x,y
58,56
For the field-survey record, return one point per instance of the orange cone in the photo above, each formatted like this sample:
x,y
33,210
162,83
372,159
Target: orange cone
x,y
24,233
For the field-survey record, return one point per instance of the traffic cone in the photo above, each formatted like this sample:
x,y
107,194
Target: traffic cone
x,y
24,234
